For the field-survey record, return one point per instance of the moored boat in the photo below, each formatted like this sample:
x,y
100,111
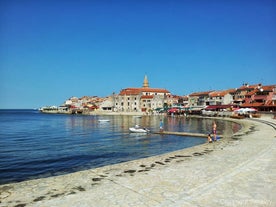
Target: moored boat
x,y
139,130
104,120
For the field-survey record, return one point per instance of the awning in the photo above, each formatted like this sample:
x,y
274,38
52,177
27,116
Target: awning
x,y
216,107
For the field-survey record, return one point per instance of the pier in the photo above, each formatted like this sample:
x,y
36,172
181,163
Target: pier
x,y
186,134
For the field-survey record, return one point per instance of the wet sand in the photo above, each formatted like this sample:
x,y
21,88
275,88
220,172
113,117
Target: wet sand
x,y
235,171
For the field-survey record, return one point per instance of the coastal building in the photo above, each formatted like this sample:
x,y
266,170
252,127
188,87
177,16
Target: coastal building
x,y
174,101
86,102
260,97
242,93
199,99
147,99
107,104
183,100
220,97
144,99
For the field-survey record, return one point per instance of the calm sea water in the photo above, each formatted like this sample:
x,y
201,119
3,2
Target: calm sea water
x,y
34,145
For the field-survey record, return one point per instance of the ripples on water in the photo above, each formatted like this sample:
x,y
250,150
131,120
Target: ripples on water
x,y
35,145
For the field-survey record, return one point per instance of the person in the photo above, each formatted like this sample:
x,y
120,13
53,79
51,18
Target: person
x,y
209,138
214,130
161,125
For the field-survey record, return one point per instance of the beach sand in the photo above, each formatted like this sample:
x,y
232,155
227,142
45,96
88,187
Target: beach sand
x,y
234,171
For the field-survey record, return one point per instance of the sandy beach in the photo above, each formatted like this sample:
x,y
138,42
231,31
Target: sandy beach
x,y
237,170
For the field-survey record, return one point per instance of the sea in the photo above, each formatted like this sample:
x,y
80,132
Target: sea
x,y
37,145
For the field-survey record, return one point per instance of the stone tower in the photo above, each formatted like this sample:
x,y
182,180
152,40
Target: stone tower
x,y
146,82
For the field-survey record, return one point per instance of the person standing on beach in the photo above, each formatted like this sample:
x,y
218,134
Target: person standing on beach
x,y
214,130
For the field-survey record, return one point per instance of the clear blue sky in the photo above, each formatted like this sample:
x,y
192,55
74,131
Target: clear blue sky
x,y
51,50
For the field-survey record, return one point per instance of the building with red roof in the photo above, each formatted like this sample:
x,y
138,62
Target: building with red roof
x,y
199,98
260,97
141,99
220,97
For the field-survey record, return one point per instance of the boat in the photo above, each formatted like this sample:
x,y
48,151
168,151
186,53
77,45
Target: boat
x,y
104,120
139,130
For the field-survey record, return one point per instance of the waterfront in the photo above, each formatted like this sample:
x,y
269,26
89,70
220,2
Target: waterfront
x,y
34,145
236,171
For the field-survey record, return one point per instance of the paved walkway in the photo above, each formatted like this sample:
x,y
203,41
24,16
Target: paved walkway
x,y
230,172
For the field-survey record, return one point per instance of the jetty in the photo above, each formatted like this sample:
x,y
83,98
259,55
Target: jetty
x,y
190,134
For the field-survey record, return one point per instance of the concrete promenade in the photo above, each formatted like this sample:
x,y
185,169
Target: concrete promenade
x,y
234,171
186,134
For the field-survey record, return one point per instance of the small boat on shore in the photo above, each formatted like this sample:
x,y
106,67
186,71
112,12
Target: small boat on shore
x,y
139,130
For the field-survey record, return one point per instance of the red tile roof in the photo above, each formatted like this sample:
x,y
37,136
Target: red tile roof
x,y
137,91
251,92
218,93
245,87
130,91
214,107
257,86
204,93
231,90
269,88
155,90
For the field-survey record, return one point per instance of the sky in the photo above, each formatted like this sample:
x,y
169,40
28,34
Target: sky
x,y
51,50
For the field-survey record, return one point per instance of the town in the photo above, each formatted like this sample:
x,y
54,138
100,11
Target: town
x,y
147,100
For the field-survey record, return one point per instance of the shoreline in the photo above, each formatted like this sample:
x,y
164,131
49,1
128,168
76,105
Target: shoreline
x,y
181,178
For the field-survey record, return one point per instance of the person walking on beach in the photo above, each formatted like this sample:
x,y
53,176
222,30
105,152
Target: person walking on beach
x,y
214,130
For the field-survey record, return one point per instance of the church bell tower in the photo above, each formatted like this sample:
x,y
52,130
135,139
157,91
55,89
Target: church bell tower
x,y
146,82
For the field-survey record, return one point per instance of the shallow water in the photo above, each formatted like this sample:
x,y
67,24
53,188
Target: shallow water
x,y
35,145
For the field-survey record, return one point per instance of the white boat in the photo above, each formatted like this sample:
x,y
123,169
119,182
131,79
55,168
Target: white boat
x,y
103,120
139,130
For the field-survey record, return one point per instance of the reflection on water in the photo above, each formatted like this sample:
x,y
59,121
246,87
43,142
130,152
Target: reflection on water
x,y
199,125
